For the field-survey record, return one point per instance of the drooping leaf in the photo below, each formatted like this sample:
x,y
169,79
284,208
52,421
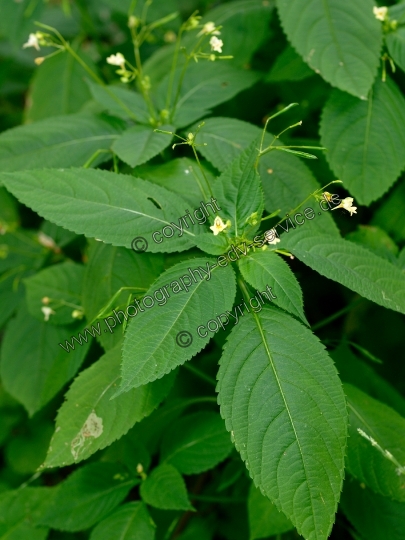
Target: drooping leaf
x,y
339,38
120,102
140,144
239,192
58,87
165,336
205,85
19,510
35,368
196,443
264,518
61,284
61,141
283,403
87,496
129,522
365,139
114,208
264,269
364,460
289,66
374,517
165,488
351,265
88,420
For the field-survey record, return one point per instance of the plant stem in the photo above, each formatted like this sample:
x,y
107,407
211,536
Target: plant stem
x,y
336,315
200,373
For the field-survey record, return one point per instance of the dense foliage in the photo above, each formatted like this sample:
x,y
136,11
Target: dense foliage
x,y
177,177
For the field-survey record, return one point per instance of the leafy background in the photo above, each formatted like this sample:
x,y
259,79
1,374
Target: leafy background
x,y
250,434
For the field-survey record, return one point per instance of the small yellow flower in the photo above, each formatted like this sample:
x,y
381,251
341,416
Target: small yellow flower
x,y
218,226
32,42
271,237
347,205
216,44
47,311
380,13
39,60
117,60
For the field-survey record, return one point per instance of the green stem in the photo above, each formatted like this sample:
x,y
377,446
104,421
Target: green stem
x,y
202,171
200,373
95,156
336,315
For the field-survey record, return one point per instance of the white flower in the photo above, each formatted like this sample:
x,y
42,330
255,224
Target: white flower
x,y
47,311
216,44
380,13
32,42
117,60
271,237
218,226
347,205
209,28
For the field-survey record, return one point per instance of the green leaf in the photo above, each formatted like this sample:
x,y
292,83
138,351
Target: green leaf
x,y
339,38
130,522
364,460
9,218
283,403
140,144
87,496
181,176
389,216
109,268
264,518
356,372
286,181
62,284
395,42
196,442
365,139
62,141
21,251
205,85
58,87
89,421
351,265
376,240
120,102
155,342
77,198
289,67
35,368
19,510
265,268
239,191
374,516
165,488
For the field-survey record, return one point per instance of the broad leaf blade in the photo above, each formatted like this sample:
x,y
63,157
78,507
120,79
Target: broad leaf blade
x,y
165,488
88,495
62,141
282,401
112,207
130,522
19,511
341,39
120,102
140,144
365,139
88,406
264,268
153,345
264,518
387,428
351,265
196,443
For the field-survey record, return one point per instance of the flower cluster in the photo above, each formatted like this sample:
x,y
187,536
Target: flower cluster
x,y
380,13
127,75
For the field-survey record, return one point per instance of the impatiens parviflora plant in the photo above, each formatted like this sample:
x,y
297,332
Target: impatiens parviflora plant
x,y
282,403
